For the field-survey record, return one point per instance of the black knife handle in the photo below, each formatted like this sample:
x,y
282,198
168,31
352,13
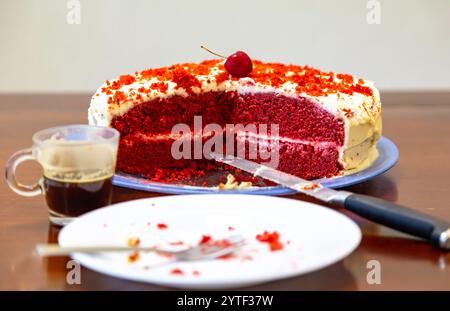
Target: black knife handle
x,y
400,218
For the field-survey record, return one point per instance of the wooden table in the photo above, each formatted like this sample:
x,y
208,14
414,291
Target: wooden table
x,y
419,123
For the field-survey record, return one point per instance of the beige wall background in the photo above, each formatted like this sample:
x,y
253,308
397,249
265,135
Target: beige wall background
x,y
41,52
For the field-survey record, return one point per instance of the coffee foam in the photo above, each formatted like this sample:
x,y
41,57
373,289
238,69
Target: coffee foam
x,y
76,160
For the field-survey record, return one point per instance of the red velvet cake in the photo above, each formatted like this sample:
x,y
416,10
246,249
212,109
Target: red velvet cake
x,y
328,123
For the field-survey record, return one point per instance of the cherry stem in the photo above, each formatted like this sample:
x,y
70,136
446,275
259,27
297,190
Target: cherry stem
x,y
213,53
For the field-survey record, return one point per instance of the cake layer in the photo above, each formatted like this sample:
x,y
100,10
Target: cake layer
x,y
309,160
149,154
145,155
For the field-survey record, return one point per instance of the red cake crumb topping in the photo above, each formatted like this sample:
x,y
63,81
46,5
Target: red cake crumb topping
x,y
123,80
348,113
117,97
185,80
272,238
309,80
222,77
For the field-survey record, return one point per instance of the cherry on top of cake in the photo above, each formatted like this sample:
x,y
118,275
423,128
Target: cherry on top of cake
x,y
192,76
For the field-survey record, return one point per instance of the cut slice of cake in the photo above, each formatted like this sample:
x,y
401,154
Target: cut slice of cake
x,y
328,123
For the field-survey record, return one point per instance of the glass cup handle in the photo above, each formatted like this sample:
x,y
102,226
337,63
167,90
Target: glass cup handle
x,y
10,174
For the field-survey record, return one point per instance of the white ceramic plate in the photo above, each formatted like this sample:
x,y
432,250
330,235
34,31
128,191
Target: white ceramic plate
x,y
313,237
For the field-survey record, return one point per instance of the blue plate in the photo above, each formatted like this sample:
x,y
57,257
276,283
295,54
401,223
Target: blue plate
x,y
388,156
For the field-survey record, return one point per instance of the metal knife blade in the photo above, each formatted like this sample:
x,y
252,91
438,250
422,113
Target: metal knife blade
x,y
307,187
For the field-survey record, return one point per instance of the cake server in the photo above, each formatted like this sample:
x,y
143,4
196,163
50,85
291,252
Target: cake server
x,y
383,212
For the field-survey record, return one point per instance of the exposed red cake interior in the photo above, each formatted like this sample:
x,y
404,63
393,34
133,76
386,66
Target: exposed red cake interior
x,y
310,136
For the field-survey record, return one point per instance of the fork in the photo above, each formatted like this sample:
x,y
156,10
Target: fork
x,y
198,252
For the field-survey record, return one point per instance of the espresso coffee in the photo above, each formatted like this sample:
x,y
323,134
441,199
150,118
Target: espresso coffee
x,y
72,199
77,177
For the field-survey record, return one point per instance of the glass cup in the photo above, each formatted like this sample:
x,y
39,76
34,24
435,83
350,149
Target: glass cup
x,y
78,163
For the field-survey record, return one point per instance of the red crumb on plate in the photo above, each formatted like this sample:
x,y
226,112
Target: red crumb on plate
x,y
205,239
226,257
230,228
247,258
311,186
195,273
131,242
272,238
162,226
177,271
165,255
133,257
177,243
